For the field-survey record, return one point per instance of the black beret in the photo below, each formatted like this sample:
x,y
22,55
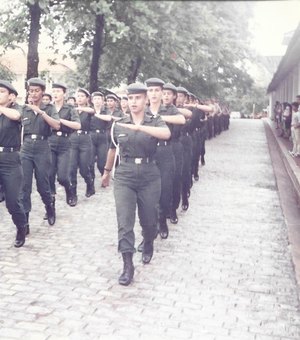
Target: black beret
x,y
169,86
154,82
181,89
59,86
97,93
86,92
112,96
8,86
36,82
136,88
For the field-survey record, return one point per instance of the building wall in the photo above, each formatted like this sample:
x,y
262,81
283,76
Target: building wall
x,y
287,90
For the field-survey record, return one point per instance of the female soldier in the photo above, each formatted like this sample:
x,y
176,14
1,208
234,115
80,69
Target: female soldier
x,y
81,147
137,178
59,141
10,166
99,130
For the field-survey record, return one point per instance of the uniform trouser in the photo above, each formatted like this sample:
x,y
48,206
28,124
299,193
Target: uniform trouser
x,y
187,166
99,151
177,183
196,152
203,137
215,124
136,185
60,158
36,158
165,161
210,127
81,154
11,177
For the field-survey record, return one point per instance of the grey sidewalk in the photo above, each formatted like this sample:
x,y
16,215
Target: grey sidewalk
x,y
224,273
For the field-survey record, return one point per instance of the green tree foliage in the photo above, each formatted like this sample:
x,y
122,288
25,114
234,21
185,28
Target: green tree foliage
x,y
201,45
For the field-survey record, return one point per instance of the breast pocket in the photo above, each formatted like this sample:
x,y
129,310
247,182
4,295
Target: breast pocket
x,y
25,121
122,139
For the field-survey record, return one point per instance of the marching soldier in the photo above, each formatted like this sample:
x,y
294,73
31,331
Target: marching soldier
x,y
81,147
38,120
99,131
11,174
60,143
137,180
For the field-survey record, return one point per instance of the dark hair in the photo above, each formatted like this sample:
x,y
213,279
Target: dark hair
x,y
47,95
295,104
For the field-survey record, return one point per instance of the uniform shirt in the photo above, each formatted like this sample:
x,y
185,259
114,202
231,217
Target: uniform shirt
x,y
99,124
187,127
10,130
34,123
136,144
85,120
68,112
164,111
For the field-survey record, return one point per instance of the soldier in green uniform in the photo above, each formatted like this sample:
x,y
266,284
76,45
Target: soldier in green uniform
x,y
137,179
38,121
59,141
11,174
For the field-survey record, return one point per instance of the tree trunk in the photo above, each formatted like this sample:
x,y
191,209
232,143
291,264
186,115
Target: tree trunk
x,y
134,70
33,42
96,52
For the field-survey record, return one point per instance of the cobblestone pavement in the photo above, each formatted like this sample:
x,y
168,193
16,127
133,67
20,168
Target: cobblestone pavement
x,y
224,273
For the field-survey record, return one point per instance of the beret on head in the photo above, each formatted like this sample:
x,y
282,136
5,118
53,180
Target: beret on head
x,y
169,86
136,88
112,96
59,86
181,89
154,82
86,92
8,86
97,94
36,82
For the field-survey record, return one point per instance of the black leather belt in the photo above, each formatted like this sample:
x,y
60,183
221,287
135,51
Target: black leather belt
x,y
60,134
7,149
185,134
82,132
163,143
99,131
197,129
35,137
137,160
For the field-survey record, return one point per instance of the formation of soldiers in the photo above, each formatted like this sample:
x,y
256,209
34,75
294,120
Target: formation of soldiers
x,y
52,136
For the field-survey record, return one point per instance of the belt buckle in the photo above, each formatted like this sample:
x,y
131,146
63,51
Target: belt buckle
x,y
33,136
138,160
59,133
79,131
98,131
1,148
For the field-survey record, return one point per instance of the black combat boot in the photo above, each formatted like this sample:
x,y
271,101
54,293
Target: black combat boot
x,y
173,217
90,188
73,196
128,270
163,227
68,192
147,252
20,237
51,215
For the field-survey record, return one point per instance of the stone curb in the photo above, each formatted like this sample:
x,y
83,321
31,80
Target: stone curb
x,y
287,175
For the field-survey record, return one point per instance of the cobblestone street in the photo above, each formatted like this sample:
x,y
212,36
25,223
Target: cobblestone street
x,y
224,273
